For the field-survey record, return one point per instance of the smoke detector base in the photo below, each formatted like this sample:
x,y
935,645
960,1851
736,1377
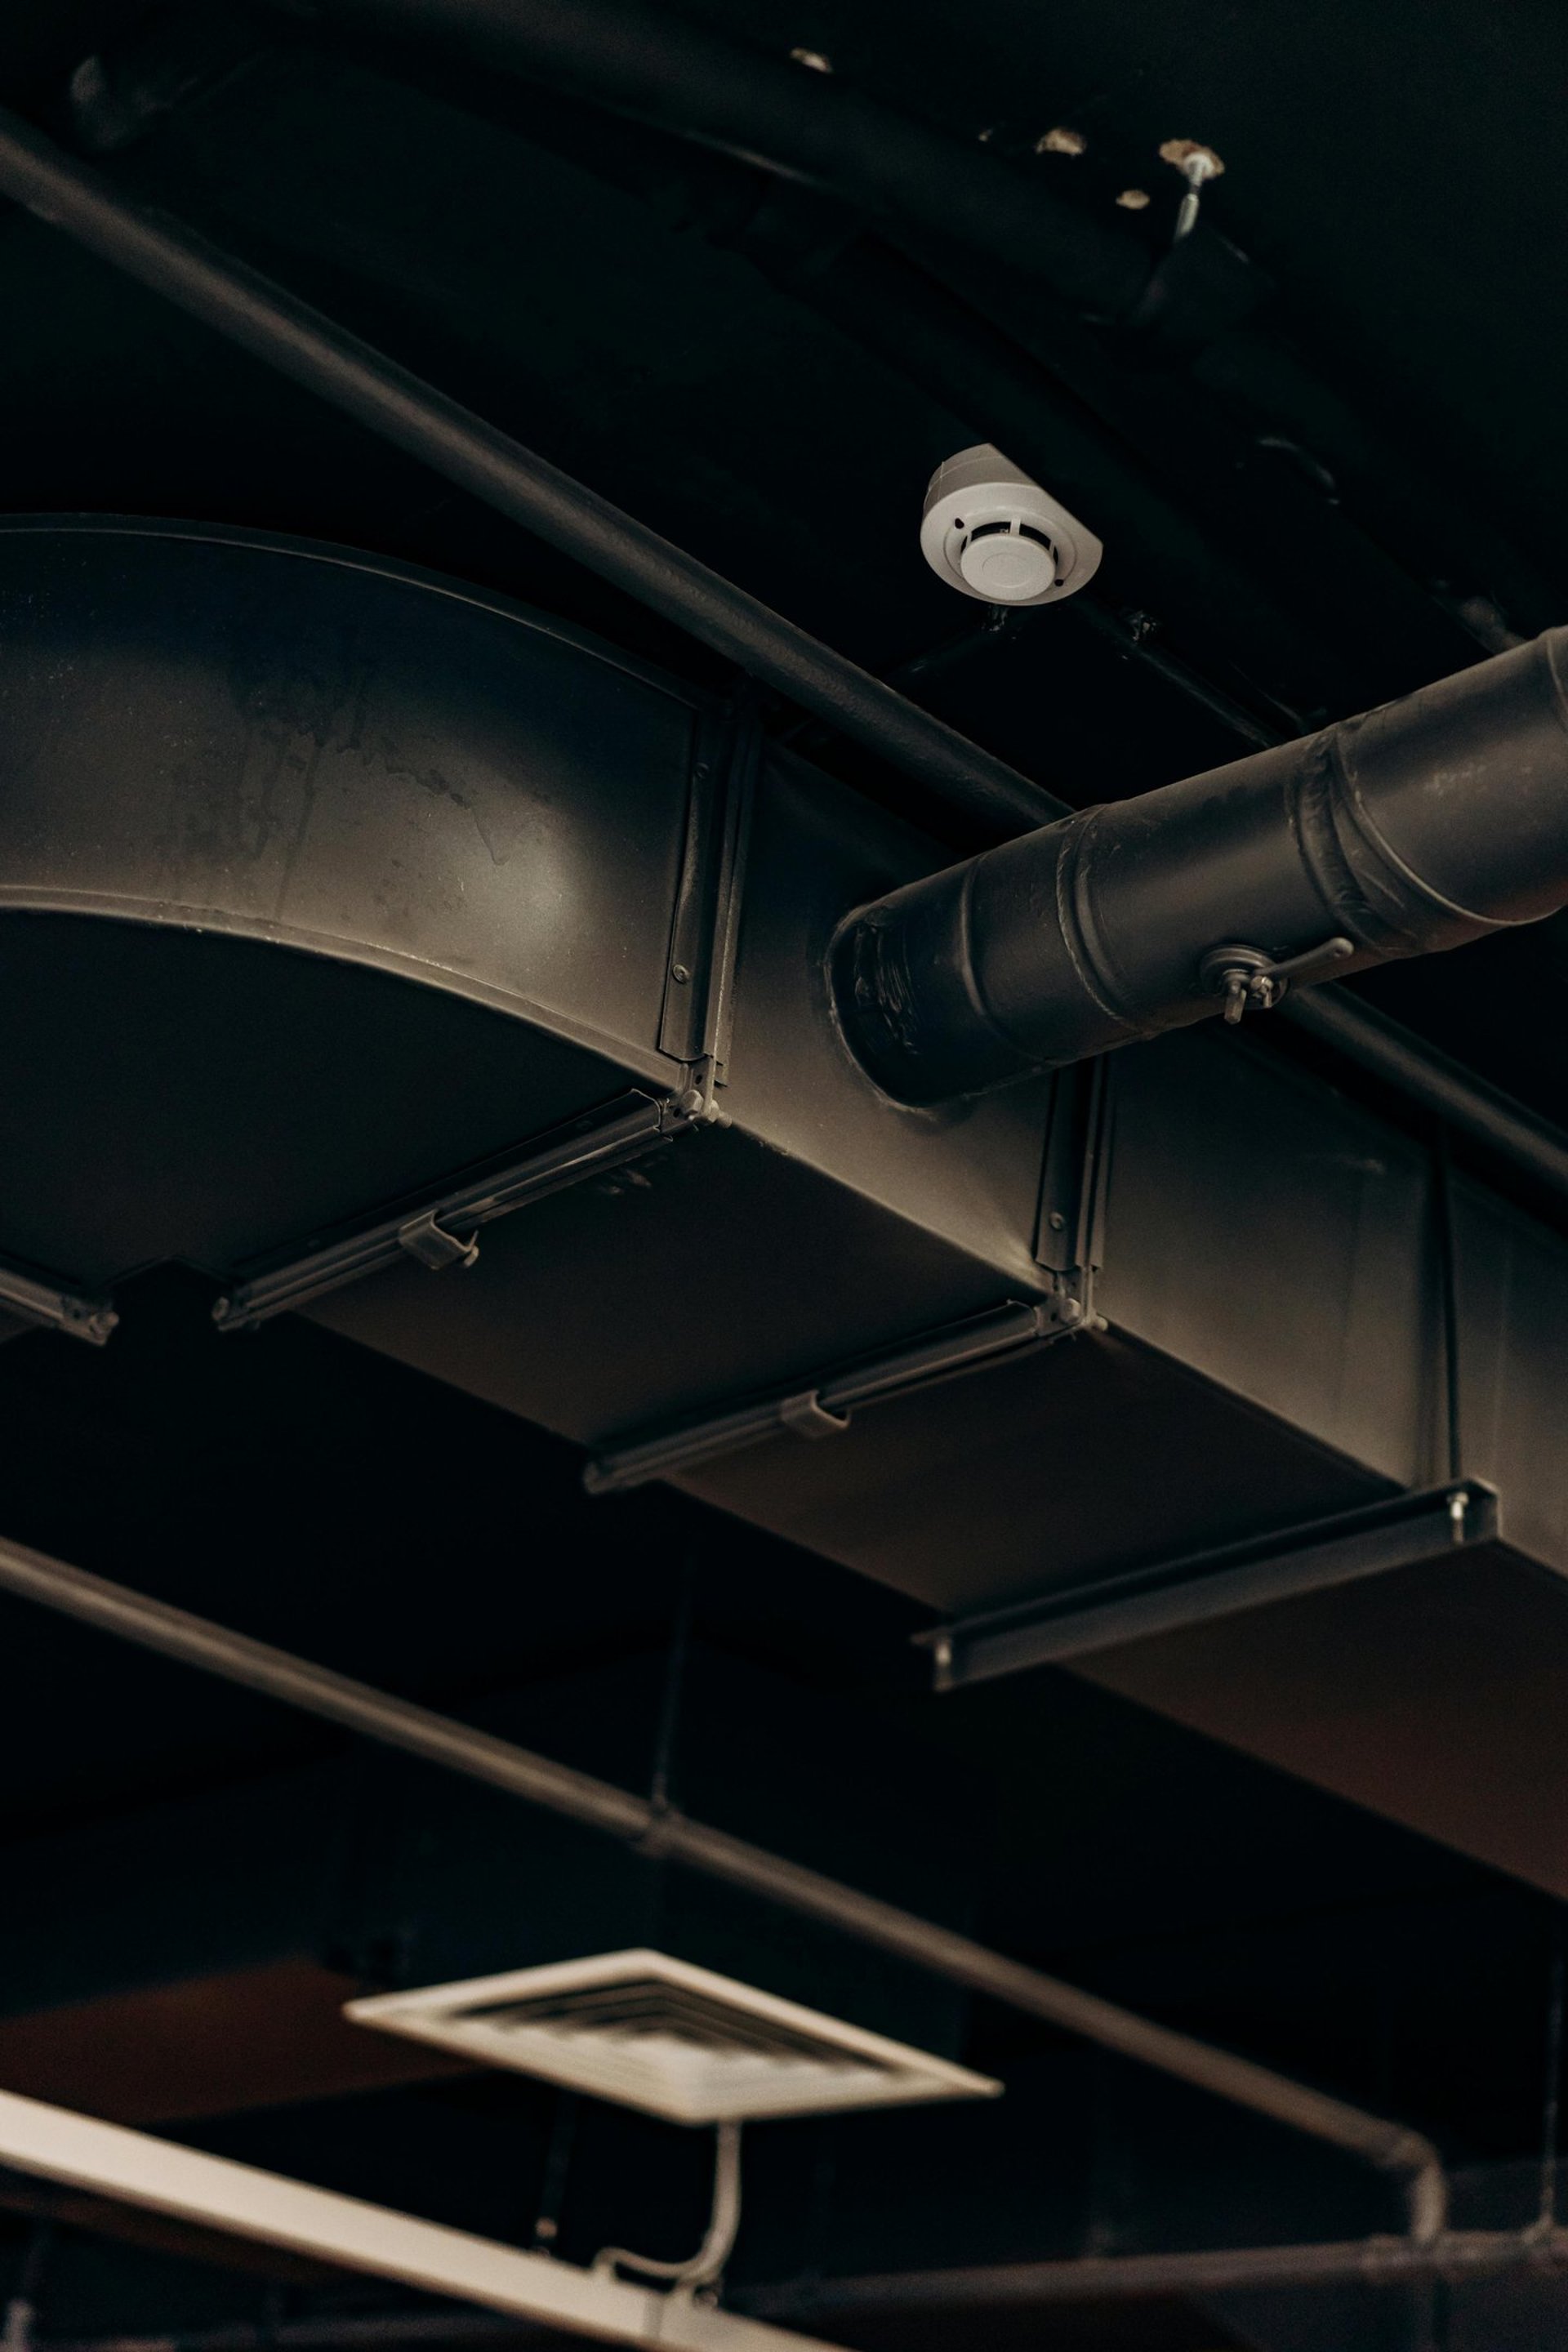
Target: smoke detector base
x,y
992,532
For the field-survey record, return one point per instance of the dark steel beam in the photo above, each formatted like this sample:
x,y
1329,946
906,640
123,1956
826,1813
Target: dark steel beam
x,y
663,1830
1401,1533
324,357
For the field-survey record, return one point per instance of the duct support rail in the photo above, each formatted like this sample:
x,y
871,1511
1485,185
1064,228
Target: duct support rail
x,y
1406,1531
442,1233
56,1307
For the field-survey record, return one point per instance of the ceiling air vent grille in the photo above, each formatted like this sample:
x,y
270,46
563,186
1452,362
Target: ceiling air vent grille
x,y
676,2041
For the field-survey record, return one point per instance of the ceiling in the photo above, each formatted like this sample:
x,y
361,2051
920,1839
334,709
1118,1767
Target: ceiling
x,y
767,375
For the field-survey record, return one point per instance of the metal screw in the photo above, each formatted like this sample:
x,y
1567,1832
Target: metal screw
x,y
1057,1222
679,971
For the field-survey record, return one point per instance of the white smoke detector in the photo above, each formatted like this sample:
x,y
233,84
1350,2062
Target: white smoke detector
x,y
990,531
654,2033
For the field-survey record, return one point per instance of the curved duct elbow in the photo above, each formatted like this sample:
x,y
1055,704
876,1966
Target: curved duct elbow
x,y
1414,827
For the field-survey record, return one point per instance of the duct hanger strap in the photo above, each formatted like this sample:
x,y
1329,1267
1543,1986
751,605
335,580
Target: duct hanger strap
x,y
444,1233
823,1408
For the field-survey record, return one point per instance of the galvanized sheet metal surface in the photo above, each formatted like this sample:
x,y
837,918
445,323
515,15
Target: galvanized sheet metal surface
x,y
291,743
1512,1298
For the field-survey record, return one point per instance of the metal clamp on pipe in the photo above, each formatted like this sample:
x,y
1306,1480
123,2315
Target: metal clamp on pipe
x,y
1253,982
1415,827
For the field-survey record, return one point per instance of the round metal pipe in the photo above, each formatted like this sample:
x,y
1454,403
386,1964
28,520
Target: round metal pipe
x,y
324,357
1413,828
663,1831
1456,2257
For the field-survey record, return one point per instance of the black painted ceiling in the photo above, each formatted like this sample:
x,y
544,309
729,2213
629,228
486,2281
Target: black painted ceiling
x,y
597,289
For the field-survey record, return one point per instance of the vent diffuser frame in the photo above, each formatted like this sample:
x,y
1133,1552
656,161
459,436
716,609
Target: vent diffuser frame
x,y
650,2031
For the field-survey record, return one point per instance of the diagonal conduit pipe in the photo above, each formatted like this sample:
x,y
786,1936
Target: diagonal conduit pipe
x,y
661,1830
1416,827
315,351
1458,2256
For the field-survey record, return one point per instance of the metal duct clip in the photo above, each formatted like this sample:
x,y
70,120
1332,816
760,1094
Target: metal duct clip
x,y
1252,982
809,1417
434,1246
